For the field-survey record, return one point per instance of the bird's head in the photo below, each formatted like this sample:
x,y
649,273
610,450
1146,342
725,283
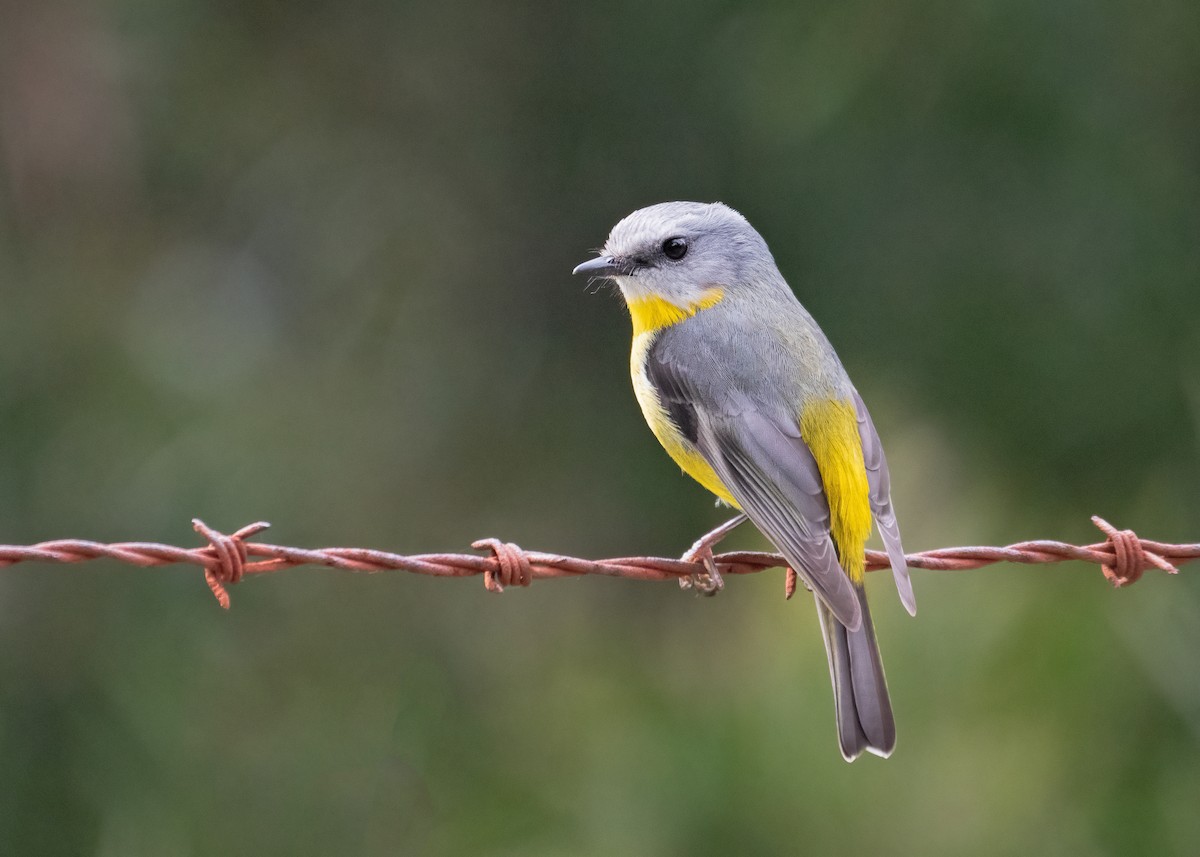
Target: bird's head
x,y
680,252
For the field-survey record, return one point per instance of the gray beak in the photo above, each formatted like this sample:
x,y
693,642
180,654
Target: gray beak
x,y
604,266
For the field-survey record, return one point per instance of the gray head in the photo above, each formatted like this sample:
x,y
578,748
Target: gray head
x,y
677,251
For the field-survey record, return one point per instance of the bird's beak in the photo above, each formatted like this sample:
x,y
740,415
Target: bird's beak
x,y
604,266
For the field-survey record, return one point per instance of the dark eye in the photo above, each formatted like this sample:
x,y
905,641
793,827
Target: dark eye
x,y
675,248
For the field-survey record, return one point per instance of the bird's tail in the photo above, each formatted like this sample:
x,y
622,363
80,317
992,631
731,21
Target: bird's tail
x,y
860,694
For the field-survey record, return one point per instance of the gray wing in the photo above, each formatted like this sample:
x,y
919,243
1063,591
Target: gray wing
x,y
881,505
771,473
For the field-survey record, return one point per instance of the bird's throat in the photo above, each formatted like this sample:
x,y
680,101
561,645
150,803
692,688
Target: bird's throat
x,y
654,313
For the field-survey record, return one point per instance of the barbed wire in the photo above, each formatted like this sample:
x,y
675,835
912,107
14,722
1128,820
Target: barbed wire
x,y
227,559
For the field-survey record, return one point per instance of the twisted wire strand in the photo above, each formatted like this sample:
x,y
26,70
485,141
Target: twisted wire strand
x,y
1123,557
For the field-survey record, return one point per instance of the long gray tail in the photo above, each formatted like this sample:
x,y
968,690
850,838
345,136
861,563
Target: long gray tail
x,y
860,694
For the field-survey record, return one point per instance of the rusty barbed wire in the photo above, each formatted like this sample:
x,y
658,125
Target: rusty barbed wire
x,y
226,559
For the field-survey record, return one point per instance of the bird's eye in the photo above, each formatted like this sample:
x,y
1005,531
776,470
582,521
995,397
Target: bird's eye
x,y
675,248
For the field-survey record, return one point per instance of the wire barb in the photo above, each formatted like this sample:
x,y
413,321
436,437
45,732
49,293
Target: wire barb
x,y
1131,557
790,580
229,553
227,559
512,565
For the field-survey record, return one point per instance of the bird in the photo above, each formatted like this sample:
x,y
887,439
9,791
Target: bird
x,y
745,392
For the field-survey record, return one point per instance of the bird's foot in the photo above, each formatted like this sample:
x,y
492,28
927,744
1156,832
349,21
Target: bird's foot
x,y
709,581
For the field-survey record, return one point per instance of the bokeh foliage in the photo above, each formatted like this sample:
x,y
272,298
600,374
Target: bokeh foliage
x,y
309,262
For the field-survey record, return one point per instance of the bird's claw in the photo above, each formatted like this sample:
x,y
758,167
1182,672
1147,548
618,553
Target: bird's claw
x,y
707,582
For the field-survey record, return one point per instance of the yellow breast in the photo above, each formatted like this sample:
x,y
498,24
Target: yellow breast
x,y
650,315
677,446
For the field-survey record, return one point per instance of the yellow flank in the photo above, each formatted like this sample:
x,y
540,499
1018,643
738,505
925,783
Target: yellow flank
x,y
654,313
649,316
830,428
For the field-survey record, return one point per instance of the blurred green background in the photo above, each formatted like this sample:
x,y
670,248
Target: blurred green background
x,y
310,262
